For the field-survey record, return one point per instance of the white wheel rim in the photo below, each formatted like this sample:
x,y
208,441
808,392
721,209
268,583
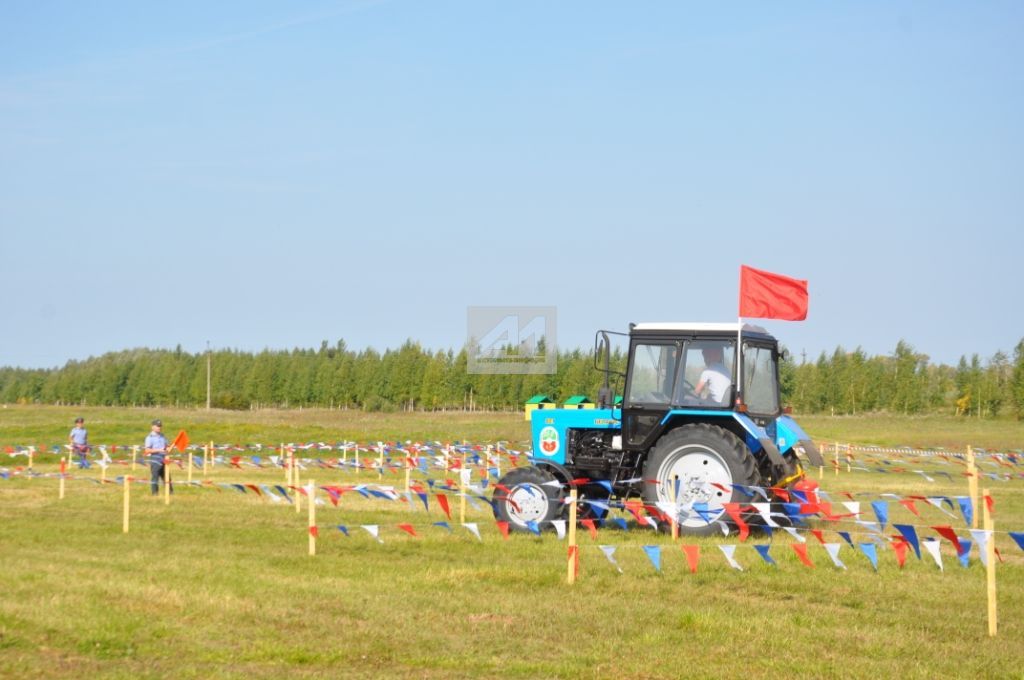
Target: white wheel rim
x,y
698,469
526,502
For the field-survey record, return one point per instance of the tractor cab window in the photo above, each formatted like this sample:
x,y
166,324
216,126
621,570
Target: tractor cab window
x,y
653,374
760,380
705,374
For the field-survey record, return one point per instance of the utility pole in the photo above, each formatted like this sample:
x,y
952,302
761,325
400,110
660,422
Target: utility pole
x,y
207,375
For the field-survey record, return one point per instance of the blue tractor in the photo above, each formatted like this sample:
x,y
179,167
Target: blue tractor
x,y
688,436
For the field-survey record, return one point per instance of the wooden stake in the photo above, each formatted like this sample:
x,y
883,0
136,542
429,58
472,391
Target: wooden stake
x,y
849,458
190,466
167,479
312,516
837,459
206,460
344,456
990,570
408,474
675,510
295,483
31,455
135,453
380,460
972,486
573,548
127,501
213,456
103,474
463,473
63,466
286,464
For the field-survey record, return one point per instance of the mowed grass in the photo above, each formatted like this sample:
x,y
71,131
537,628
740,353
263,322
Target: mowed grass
x,y
219,584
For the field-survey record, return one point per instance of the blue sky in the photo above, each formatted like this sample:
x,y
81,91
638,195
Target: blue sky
x,y
263,174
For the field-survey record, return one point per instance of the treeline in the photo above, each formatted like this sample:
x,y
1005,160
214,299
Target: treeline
x,y
413,378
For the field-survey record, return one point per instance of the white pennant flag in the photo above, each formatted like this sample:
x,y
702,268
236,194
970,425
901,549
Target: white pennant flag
x,y
833,552
465,476
852,507
937,502
932,546
981,538
471,526
728,550
724,527
609,552
795,534
654,522
559,525
764,509
373,530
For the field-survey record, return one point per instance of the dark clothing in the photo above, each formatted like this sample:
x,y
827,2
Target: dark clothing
x,y
158,472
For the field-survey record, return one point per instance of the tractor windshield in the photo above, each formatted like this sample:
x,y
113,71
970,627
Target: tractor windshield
x,y
705,376
760,380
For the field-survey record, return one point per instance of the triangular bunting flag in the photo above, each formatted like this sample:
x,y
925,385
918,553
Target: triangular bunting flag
x,y
609,552
407,528
932,546
910,535
728,551
654,555
871,552
559,525
692,556
589,524
881,509
762,549
472,528
833,552
801,551
503,528
981,538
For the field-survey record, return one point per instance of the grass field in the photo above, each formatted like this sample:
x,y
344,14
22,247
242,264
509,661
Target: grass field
x,y
219,584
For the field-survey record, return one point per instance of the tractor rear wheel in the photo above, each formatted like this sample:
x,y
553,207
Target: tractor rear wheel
x,y
707,460
529,494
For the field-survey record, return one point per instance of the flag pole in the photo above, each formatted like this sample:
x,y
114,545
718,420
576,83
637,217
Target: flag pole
x,y
739,358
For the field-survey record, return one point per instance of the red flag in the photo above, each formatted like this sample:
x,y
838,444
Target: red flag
x,y
692,556
408,528
314,531
591,527
574,559
181,441
503,528
801,551
733,510
764,295
950,535
442,500
899,546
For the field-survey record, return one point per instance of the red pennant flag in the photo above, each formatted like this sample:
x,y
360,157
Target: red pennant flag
x,y
314,531
818,535
948,533
991,505
255,488
407,528
899,546
764,295
63,465
181,441
692,556
909,505
733,510
801,551
442,500
503,528
591,527
236,461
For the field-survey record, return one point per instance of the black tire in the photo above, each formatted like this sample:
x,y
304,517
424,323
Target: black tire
x,y
532,495
700,455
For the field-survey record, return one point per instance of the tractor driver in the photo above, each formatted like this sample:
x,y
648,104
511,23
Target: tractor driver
x,y
715,380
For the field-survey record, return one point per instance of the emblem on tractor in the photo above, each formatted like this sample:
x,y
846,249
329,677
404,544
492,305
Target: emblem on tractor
x,y
549,441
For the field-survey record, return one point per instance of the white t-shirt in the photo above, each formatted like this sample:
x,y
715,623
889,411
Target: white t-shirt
x,y
718,381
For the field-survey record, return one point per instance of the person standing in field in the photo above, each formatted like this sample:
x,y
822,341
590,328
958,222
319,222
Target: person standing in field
x,y
79,439
156,450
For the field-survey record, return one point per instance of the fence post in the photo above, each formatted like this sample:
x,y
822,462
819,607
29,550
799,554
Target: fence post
x,y
63,466
312,517
463,473
190,466
206,459
295,483
574,555
380,460
167,478
972,486
990,570
135,453
127,501
837,459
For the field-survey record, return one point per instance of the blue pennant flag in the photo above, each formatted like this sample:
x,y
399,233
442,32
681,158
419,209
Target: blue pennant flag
x,y
704,511
606,485
654,555
746,491
846,537
871,552
255,460
1018,538
621,522
423,497
967,508
493,472
965,552
799,495
792,511
362,490
443,525
239,487
430,483
908,532
767,530
343,529
532,526
881,509
284,492
763,549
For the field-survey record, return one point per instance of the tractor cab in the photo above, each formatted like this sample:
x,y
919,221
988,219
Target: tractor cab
x,y
675,368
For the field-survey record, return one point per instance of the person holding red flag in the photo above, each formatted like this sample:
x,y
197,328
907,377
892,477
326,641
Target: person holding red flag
x,y
156,450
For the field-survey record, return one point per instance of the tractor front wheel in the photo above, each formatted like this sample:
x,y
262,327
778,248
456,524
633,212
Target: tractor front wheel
x,y
528,494
694,468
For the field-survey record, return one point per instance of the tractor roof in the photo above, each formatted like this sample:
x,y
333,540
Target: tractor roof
x,y
684,326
